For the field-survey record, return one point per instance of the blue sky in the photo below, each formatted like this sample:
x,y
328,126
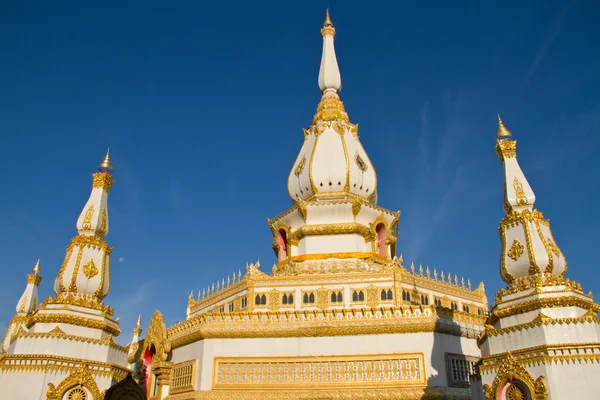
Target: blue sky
x,y
203,107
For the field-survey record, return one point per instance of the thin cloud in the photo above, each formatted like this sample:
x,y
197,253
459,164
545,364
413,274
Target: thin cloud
x,y
121,259
552,33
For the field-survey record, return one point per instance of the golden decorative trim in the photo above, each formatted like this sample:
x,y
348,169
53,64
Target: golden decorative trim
x,y
34,279
511,370
232,290
516,250
319,372
325,256
38,318
557,354
79,300
102,180
330,322
57,333
19,363
520,193
356,206
540,320
330,109
536,304
345,228
506,149
78,377
73,285
103,224
424,393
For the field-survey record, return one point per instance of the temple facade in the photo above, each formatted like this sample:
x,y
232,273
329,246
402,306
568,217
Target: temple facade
x,y
338,316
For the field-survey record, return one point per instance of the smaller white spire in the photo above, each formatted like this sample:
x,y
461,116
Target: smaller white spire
x,y
329,73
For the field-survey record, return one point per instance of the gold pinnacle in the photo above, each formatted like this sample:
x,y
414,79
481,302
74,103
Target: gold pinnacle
x,y
502,133
327,26
139,321
36,267
105,165
327,19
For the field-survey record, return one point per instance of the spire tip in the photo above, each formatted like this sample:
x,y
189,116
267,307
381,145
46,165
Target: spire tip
x,y
36,268
105,166
327,28
139,322
503,133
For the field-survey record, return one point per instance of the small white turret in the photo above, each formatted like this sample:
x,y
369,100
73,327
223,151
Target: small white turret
x,y
86,268
26,305
528,246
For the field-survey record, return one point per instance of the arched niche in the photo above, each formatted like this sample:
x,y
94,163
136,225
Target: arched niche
x,y
513,380
79,385
155,349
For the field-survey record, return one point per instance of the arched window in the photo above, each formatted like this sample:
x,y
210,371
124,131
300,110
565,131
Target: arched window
x,y
263,299
282,243
77,394
244,302
390,295
284,299
305,298
514,390
355,296
311,298
380,231
290,298
257,300
361,296
340,298
333,297
383,295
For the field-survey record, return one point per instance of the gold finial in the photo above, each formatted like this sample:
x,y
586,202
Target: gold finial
x,y
106,166
327,19
503,133
138,324
36,267
327,26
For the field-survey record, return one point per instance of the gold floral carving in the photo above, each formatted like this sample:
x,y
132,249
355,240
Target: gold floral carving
x,y
79,377
330,108
302,209
519,192
506,149
157,335
102,180
356,206
274,299
300,166
516,250
511,370
34,279
87,221
322,298
372,296
540,280
90,270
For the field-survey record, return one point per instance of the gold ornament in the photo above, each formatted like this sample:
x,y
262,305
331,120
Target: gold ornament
x,y
90,269
516,250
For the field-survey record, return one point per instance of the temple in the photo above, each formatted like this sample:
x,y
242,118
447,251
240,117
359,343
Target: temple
x,y
338,316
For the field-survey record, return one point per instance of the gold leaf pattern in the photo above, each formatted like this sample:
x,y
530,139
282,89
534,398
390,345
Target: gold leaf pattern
x,y
516,250
90,269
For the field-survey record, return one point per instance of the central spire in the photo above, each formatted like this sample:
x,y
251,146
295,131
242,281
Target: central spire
x,y
329,73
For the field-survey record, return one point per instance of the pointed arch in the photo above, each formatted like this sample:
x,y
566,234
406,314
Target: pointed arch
x,y
157,335
512,373
79,377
